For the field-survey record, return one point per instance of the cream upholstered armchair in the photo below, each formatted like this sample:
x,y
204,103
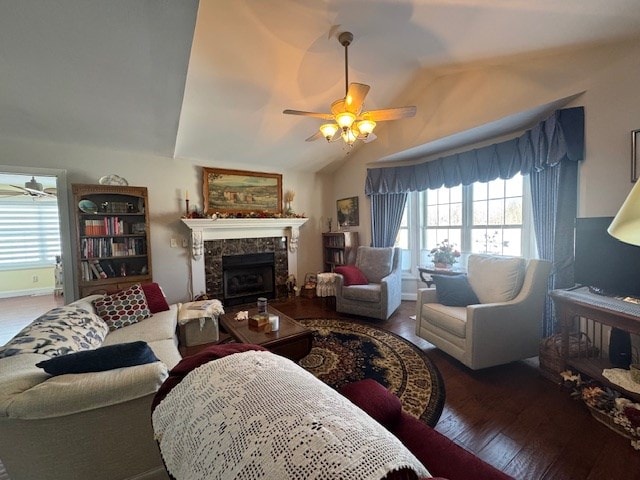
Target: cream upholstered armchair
x,y
491,316
373,286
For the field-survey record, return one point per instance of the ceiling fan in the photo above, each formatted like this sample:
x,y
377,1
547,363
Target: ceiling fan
x,y
31,188
347,120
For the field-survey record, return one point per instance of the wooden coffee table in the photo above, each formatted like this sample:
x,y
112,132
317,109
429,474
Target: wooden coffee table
x,y
292,340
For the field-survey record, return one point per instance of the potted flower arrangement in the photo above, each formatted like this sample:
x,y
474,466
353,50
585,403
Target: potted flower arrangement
x,y
607,406
444,255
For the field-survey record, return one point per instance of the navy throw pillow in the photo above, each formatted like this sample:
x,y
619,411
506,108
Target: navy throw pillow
x,y
454,290
100,359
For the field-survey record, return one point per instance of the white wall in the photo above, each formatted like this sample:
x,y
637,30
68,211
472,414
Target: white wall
x,y
458,99
448,101
166,180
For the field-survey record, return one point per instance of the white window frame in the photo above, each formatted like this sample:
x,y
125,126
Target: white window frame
x,y
411,257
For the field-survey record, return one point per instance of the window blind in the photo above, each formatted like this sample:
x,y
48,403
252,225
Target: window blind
x,y
29,233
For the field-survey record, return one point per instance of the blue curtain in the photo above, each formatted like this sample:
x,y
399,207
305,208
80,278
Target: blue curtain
x,y
548,153
386,217
554,193
559,137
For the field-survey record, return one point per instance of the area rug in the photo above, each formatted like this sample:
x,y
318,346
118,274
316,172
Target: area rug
x,y
344,352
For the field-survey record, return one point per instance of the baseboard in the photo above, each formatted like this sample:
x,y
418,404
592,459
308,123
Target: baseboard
x,y
409,296
26,292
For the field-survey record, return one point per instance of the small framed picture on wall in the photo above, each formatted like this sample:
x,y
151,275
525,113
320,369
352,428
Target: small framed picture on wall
x,y
348,213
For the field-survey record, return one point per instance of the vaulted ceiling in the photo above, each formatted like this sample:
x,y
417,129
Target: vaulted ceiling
x,y
208,80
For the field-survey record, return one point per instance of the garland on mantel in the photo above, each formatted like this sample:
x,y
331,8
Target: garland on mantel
x,y
198,214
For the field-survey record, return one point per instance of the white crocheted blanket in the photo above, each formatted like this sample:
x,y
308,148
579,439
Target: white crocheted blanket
x,y
256,415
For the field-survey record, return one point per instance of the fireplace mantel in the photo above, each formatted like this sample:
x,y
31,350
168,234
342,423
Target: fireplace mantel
x,y
203,229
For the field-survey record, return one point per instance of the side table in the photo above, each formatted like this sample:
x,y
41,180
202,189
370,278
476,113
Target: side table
x,y
432,269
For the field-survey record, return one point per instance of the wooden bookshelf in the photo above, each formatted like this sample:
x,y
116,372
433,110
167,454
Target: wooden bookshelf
x,y
339,248
112,249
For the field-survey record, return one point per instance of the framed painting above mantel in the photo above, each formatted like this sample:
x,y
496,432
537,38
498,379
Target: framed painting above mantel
x,y
241,192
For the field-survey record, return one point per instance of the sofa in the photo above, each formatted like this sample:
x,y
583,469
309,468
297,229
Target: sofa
x,y
92,425
442,457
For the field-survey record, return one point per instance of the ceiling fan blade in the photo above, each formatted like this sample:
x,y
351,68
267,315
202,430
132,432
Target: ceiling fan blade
x,y
389,114
369,138
354,99
324,116
33,192
314,137
11,190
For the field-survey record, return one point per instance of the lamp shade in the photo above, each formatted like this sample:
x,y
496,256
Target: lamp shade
x,y
328,130
626,224
349,137
366,126
345,119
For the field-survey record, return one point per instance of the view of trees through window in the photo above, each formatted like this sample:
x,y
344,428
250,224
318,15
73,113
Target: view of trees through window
x,y
479,218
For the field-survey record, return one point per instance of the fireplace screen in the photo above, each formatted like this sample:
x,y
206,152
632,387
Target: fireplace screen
x,y
247,277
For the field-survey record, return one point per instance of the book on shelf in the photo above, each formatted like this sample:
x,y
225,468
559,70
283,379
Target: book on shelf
x,y
98,267
107,267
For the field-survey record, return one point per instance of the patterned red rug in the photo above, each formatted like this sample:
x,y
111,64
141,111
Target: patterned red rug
x,y
344,351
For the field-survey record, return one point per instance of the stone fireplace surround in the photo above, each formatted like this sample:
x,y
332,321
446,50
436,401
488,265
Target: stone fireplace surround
x,y
281,234
216,250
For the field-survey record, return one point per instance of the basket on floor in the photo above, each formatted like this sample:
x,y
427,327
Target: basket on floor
x,y
551,361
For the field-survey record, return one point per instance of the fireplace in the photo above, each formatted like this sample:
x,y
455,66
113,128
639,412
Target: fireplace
x,y
246,277
235,267
212,239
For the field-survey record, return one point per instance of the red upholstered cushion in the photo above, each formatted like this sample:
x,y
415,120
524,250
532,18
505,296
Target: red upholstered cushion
x,y
155,298
442,456
352,275
382,405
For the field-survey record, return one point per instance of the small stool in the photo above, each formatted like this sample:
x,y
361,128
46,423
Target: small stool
x,y
205,329
326,286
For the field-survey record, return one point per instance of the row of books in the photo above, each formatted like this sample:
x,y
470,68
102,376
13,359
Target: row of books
x,y
111,226
110,247
334,241
336,256
95,270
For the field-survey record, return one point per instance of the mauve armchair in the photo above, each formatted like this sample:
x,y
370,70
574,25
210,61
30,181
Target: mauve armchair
x,y
382,295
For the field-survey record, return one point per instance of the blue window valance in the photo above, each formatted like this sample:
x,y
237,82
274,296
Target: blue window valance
x,y
559,137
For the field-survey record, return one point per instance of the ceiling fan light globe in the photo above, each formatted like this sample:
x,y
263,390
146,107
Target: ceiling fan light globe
x,y
366,126
349,137
345,119
328,130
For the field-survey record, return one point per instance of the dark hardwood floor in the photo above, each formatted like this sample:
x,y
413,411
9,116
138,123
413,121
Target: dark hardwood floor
x,y
510,416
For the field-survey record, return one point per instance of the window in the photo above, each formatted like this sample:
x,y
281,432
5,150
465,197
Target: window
x,y
29,233
489,217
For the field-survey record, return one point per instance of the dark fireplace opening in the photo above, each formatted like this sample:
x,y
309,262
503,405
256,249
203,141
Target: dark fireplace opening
x,y
247,277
